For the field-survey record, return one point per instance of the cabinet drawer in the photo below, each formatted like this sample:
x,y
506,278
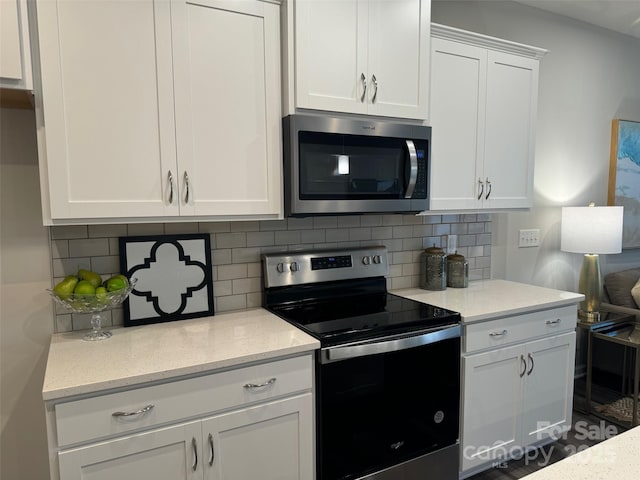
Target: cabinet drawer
x,y
519,328
92,418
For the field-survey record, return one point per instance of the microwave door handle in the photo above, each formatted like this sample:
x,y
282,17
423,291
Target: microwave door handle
x,y
413,160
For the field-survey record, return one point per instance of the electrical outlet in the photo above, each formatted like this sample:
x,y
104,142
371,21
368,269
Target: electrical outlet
x,y
452,243
529,238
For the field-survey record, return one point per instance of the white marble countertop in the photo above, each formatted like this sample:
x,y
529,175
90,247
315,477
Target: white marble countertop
x,y
160,351
486,299
615,458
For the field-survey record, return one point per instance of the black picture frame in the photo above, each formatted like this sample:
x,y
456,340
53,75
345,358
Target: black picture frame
x,y
174,277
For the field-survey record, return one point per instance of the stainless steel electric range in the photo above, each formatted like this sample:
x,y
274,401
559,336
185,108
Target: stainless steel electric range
x,y
387,372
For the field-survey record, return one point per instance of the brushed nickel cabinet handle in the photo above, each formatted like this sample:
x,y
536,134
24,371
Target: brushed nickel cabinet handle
x,y
188,187
481,183
489,188
252,386
212,452
524,366
374,80
195,454
143,410
170,179
553,323
363,79
532,364
498,334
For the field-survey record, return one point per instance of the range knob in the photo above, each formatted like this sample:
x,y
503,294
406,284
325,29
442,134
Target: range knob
x,y
280,267
294,266
377,259
366,260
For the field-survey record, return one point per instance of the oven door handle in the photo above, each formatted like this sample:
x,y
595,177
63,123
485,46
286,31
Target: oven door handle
x,y
387,344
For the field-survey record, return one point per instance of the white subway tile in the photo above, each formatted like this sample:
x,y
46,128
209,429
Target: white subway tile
x,y
88,247
371,221
273,225
246,285
60,249
349,221
260,239
252,226
106,265
325,222
107,231
300,223
380,233
287,237
403,231
245,255
359,234
254,300
68,232
231,272
231,240
181,228
313,236
230,302
135,229
221,256
214,227
337,235
222,287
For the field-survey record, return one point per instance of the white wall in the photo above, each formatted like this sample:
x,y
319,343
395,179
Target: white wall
x,y
589,77
25,308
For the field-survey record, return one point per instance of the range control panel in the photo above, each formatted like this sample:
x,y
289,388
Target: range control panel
x,y
296,268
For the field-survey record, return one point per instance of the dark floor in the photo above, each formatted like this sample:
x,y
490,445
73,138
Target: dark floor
x,y
587,431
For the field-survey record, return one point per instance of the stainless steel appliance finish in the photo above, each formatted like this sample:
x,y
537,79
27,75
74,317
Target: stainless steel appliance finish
x,y
341,166
388,370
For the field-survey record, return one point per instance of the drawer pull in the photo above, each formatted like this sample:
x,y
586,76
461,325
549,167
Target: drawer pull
x,y
143,410
553,323
253,386
498,334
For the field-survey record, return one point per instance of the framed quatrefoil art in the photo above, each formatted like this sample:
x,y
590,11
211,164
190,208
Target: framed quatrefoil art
x,y
174,277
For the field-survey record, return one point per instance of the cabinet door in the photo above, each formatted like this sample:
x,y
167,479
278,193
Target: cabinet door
x,y
512,98
228,121
15,57
398,58
165,454
492,398
272,441
548,395
330,55
458,88
107,98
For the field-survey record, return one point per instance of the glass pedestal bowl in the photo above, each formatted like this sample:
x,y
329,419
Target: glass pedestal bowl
x,y
94,304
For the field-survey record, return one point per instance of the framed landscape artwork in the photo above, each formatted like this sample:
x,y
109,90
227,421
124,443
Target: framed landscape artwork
x,y
624,177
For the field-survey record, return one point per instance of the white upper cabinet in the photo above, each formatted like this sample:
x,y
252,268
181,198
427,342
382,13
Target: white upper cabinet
x,y
484,95
228,116
108,109
358,56
171,114
15,53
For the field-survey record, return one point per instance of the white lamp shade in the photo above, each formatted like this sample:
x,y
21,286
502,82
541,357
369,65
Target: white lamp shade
x,y
591,230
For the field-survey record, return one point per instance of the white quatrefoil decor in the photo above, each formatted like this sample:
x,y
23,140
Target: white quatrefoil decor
x,y
174,280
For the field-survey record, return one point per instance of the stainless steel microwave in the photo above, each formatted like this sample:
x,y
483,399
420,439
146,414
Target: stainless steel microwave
x,y
335,166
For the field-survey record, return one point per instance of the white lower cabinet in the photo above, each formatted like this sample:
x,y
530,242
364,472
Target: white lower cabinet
x,y
269,441
520,394
252,422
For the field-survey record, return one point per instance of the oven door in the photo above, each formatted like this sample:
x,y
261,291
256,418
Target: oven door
x,y
387,402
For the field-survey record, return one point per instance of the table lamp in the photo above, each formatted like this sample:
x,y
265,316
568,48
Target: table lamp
x,y
592,231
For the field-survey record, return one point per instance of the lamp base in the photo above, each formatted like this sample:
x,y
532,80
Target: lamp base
x,y
589,316
590,284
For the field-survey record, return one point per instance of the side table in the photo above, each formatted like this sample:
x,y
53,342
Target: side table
x,y
607,320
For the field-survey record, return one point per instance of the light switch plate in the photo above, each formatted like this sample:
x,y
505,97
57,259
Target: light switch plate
x,y
529,238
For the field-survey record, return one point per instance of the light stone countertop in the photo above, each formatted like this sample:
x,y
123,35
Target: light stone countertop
x,y
616,458
148,353
487,299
